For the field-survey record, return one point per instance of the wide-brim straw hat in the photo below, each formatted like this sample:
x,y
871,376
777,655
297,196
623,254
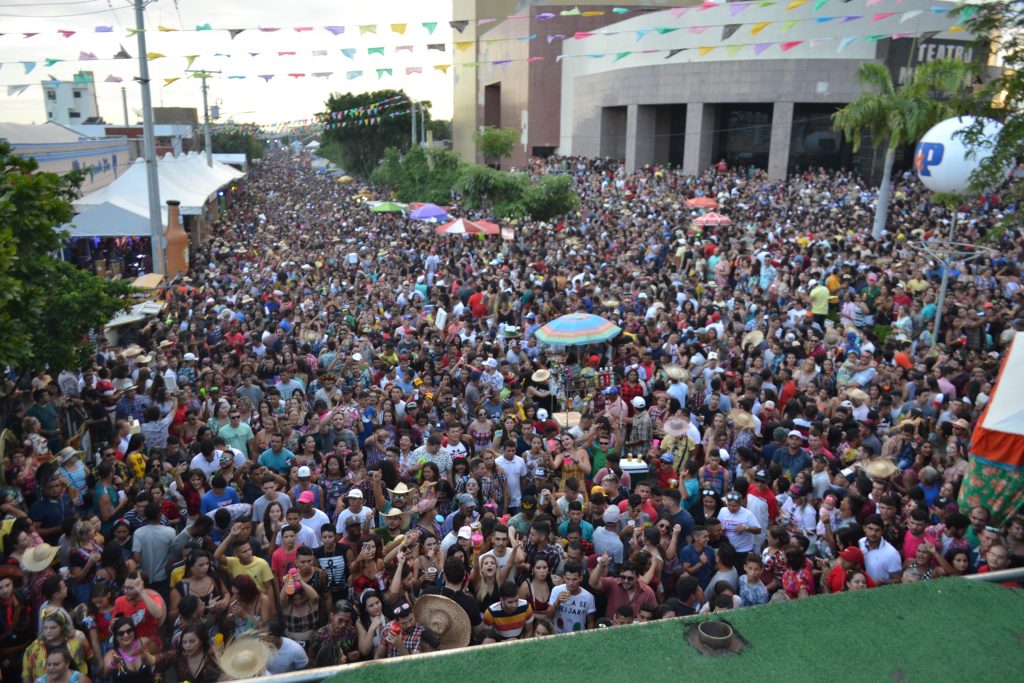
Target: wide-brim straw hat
x,y
133,351
677,372
245,657
38,558
752,339
741,419
675,426
541,376
857,395
880,468
401,489
445,618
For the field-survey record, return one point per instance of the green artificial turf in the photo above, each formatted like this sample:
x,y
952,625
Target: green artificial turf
x,y
928,631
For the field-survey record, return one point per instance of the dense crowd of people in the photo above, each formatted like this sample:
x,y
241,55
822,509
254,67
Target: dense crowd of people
x,y
343,434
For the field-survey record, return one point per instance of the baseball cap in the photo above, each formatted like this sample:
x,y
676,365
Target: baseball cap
x,y
638,402
528,502
355,493
713,355
733,496
611,390
852,554
304,472
846,404
796,432
465,532
667,457
542,414
611,515
475,375
466,499
190,356
306,497
352,521
760,475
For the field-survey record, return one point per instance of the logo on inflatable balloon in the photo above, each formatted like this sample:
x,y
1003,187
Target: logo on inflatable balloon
x,y
945,162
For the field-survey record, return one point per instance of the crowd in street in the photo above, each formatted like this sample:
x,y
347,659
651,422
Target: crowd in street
x,y
343,435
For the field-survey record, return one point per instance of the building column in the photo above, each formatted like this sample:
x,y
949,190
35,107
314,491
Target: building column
x,y
640,123
700,130
782,133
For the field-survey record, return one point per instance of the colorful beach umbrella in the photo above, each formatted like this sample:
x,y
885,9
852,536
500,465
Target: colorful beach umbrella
x,y
425,212
460,226
712,218
577,329
388,207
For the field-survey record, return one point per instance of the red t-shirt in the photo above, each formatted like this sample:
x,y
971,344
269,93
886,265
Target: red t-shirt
x,y
837,579
146,625
281,561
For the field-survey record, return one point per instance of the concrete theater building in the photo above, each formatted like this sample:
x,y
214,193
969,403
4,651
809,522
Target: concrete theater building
x,y
689,84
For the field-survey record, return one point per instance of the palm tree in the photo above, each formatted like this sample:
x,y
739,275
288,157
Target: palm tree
x,y
901,115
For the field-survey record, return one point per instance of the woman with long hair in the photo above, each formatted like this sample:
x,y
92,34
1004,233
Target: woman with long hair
x,y
84,555
248,610
200,582
129,661
332,482
113,568
537,587
372,623
194,662
273,520
483,582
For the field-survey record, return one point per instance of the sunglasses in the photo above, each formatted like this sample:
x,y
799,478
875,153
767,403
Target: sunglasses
x,y
126,632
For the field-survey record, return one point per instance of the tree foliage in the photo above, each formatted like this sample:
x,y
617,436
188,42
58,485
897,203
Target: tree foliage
x,y
421,175
897,116
997,25
360,148
515,195
46,306
237,142
496,143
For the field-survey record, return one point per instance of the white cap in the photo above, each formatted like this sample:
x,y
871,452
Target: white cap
x,y
491,363
304,472
190,356
638,402
357,357
713,355
542,414
797,433
611,515
354,493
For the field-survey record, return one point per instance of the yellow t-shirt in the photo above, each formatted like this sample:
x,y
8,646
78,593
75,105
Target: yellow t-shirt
x,y
819,300
258,570
138,465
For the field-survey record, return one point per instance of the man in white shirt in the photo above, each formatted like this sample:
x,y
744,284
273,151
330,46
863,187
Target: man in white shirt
x,y
759,507
740,525
571,607
288,655
355,510
500,549
514,468
606,538
881,560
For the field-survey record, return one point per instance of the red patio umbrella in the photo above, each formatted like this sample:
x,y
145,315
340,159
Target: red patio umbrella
x,y
712,218
702,203
460,226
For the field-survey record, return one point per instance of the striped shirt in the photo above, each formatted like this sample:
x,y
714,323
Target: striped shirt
x,y
509,625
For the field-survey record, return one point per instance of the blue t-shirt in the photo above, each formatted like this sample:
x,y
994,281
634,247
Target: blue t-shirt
x,y
689,555
211,501
279,462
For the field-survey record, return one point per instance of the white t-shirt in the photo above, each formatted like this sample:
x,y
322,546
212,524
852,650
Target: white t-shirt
x,y
347,514
503,560
306,536
572,614
882,562
743,542
513,469
199,462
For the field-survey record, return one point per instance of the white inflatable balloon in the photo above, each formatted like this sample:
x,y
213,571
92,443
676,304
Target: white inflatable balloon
x,y
943,160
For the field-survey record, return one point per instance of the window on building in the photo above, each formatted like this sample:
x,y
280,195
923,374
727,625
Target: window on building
x,y
78,94
51,95
74,114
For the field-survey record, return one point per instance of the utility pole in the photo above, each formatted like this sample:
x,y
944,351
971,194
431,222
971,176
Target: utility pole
x,y
412,131
423,126
124,104
156,227
204,74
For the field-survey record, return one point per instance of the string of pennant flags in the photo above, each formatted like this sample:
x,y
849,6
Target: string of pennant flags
x,y
728,30
758,48
733,9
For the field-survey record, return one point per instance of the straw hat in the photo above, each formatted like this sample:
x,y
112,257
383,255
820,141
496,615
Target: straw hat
x,y
610,303
445,618
741,419
38,558
541,375
133,351
677,373
245,657
857,395
752,339
880,468
675,426
401,490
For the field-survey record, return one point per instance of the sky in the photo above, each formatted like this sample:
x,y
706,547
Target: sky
x,y
251,99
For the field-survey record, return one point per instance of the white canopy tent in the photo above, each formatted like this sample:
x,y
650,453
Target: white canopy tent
x,y
121,209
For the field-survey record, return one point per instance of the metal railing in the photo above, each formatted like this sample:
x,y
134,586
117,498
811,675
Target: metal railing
x,y
320,674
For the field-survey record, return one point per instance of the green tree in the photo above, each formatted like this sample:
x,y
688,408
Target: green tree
x,y
441,130
237,142
421,175
898,116
550,196
997,25
496,143
46,306
359,147
484,188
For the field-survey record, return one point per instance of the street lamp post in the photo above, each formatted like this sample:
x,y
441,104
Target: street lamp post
x,y
156,228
